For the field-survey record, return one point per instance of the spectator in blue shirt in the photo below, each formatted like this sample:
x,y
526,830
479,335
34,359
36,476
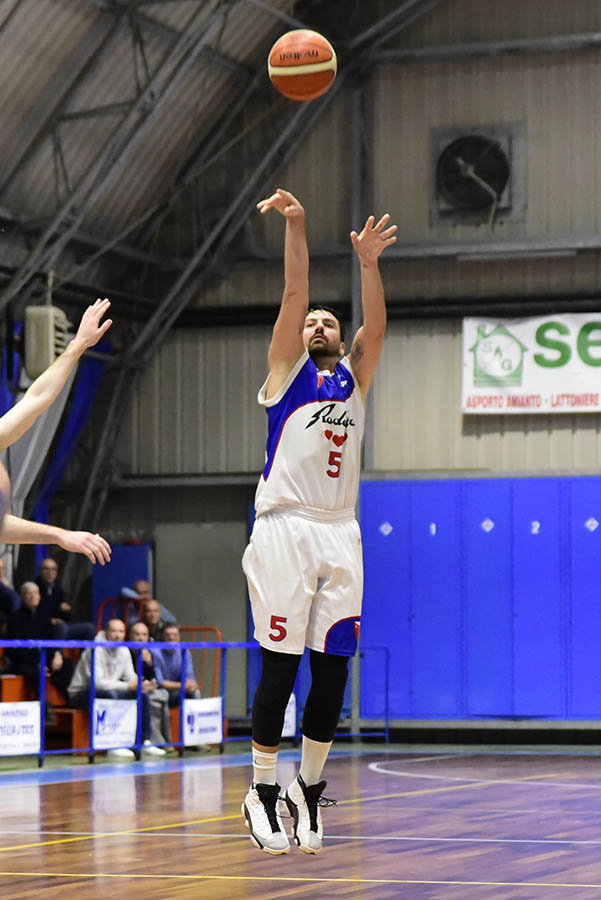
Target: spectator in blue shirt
x,y
168,667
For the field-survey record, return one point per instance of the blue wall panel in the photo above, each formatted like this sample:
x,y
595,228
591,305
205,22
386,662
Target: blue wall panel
x,y
585,589
487,597
538,621
385,618
435,599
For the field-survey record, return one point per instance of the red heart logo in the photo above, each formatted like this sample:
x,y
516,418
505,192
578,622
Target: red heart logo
x,y
328,434
339,439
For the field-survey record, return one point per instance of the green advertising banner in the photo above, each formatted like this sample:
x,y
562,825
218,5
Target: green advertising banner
x,y
550,364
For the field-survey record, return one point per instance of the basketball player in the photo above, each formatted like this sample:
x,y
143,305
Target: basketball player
x,y
304,561
14,423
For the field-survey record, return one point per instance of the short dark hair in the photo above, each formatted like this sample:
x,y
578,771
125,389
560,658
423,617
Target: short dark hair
x,y
169,625
332,312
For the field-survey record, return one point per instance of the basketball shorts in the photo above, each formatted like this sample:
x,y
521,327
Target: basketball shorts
x,y
305,580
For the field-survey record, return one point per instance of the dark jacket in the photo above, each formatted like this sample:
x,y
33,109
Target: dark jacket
x,y
25,624
52,595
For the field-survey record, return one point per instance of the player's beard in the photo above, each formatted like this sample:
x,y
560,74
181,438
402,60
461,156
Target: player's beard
x,y
324,354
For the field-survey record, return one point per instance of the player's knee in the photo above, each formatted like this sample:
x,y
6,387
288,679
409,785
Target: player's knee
x,y
271,698
329,674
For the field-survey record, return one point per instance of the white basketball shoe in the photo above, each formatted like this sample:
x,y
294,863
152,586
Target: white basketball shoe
x,y
260,809
303,804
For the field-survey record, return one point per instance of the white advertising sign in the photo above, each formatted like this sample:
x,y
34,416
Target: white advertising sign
x,y
19,728
290,718
202,721
550,364
115,723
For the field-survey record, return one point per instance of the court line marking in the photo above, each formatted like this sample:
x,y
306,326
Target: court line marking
x,y
354,837
371,837
104,834
467,785
377,767
298,879
424,759
135,831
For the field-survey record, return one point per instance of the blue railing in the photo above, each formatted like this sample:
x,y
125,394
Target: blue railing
x,y
185,647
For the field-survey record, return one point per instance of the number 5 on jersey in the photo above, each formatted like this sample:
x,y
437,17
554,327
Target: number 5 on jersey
x,y
334,461
278,632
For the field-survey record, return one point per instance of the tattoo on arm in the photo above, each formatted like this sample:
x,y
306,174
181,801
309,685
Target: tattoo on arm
x,y
357,352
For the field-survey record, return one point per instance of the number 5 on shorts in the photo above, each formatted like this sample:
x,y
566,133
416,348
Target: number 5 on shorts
x,y
277,629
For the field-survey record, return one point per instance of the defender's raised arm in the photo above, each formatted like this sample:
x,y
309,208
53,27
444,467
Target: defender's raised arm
x,y
46,388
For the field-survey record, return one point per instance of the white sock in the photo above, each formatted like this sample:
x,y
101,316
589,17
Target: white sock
x,y
313,759
264,765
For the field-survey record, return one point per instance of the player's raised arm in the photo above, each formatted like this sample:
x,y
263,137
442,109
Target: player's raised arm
x,y
367,343
287,339
46,388
20,531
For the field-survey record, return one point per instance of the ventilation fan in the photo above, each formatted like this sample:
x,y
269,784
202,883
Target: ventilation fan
x,y
472,175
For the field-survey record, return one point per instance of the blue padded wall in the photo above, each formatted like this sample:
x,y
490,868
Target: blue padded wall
x,y
385,530
487,595
486,564
539,658
435,612
585,588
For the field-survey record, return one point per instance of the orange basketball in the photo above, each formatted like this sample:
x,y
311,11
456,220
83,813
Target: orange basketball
x,y
302,64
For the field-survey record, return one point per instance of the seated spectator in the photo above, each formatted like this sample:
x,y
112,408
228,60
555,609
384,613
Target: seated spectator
x,y
160,729
29,622
115,678
10,601
57,608
151,616
168,667
141,590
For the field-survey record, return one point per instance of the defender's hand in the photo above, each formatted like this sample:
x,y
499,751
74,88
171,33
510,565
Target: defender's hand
x,y
90,330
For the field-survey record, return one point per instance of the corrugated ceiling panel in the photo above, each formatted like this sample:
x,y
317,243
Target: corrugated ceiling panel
x,y
45,44
57,38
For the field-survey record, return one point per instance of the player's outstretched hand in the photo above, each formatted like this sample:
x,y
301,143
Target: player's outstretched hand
x,y
285,203
91,545
373,239
90,328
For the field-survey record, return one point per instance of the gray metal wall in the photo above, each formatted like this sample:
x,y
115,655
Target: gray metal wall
x,y
419,426
195,408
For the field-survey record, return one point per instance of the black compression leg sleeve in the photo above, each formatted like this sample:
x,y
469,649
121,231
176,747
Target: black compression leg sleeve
x,y
277,680
329,674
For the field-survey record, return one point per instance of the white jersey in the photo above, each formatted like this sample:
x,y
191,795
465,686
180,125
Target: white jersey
x,y
315,427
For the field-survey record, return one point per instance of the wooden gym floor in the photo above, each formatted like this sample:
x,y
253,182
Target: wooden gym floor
x,y
449,825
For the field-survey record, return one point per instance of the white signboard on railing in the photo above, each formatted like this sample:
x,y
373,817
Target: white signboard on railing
x,y
19,728
202,721
115,723
549,364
